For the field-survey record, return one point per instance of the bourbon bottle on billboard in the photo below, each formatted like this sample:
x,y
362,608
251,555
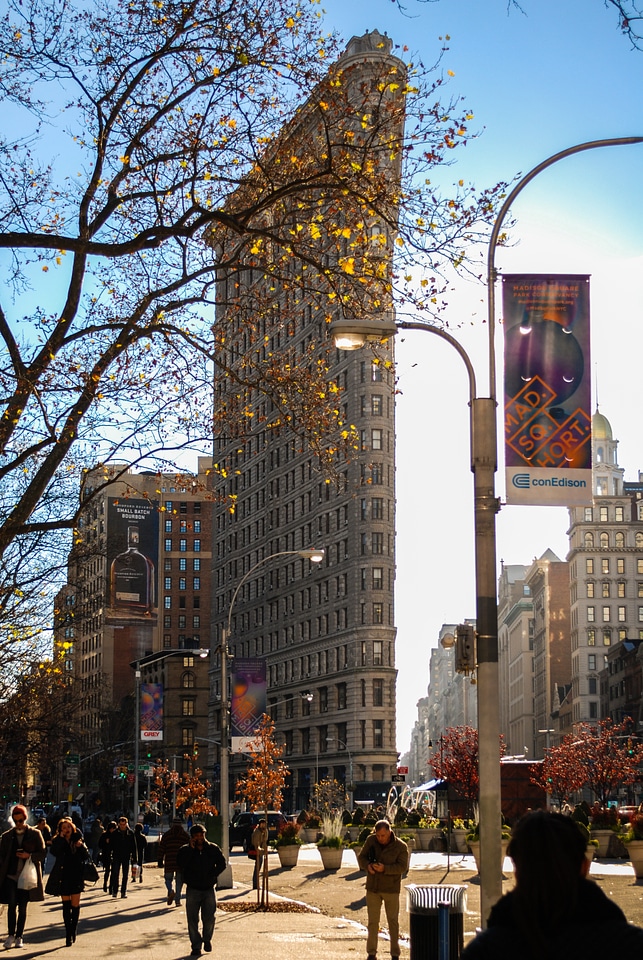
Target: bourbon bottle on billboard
x,y
132,578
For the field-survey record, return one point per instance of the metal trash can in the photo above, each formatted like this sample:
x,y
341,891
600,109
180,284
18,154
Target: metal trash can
x,y
422,903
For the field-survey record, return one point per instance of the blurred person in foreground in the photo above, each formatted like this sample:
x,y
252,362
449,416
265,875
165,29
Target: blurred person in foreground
x,y
554,910
169,846
16,846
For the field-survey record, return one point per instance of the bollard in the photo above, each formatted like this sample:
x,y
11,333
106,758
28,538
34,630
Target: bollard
x,y
443,930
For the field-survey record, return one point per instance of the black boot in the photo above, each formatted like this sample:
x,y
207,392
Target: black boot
x,y
75,913
67,922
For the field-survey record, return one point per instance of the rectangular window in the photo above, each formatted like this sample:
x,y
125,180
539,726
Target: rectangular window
x,y
182,621
607,638
605,565
591,686
183,526
591,637
183,545
620,588
168,526
183,564
167,620
167,602
197,526
591,614
621,615
378,693
606,614
377,540
196,563
167,583
603,514
378,578
187,708
187,737
587,516
323,699
640,614
377,405
593,710
341,696
590,588
378,733
591,661
196,583
376,440
197,546
620,565
378,613
377,508
168,545
182,583
377,653
168,506
618,514
605,588
589,565
196,621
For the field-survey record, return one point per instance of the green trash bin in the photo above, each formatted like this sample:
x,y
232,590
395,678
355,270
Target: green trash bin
x,y
422,902
213,828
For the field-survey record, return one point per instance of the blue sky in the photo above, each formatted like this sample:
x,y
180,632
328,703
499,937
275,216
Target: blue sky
x,y
559,75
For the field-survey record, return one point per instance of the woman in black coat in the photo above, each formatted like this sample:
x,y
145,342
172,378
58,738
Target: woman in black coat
x,y
66,878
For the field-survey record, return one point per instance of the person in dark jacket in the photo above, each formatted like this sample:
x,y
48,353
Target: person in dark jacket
x,y
385,859
553,911
16,846
141,844
104,845
169,846
200,863
66,877
123,852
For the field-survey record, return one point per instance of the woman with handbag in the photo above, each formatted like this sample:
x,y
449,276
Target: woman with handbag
x,y
19,846
66,877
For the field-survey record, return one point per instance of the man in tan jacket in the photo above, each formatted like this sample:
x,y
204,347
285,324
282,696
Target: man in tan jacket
x,y
385,859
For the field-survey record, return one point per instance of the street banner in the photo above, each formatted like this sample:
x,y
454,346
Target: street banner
x,y
132,560
547,412
152,711
247,701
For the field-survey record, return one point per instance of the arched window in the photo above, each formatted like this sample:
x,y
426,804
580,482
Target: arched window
x,y
619,541
605,541
639,540
188,681
589,541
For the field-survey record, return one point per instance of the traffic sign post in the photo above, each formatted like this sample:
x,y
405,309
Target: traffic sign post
x,y
398,778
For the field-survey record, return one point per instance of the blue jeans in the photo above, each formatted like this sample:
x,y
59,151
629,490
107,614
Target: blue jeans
x,y
174,875
202,902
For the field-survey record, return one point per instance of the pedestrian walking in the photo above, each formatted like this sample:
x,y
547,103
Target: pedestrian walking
x,y
200,863
259,844
554,910
18,846
95,833
141,844
123,853
385,860
169,846
47,835
66,877
104,845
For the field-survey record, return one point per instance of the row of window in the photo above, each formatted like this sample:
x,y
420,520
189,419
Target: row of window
x,y
323,742
604,541
603,514
181,621
606,614
168,563
170,505
182,582
606,588
183,545
194,526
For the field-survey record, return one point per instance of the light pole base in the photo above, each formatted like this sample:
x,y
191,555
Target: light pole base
x,y
224,880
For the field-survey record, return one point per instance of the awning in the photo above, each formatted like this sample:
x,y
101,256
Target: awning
x,y
429,785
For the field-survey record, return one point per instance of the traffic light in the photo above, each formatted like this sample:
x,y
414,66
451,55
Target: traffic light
x,y
465,648
195,750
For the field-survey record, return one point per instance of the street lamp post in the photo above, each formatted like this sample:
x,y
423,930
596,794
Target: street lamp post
x,y
315,556
352,334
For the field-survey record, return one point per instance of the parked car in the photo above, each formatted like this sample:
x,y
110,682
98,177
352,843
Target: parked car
x,y
244,823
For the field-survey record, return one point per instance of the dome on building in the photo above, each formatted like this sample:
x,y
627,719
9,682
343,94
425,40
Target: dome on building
x,y
601,428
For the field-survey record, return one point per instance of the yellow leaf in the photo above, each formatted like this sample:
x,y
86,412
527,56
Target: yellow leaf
x,y
347,264
290,23
451,73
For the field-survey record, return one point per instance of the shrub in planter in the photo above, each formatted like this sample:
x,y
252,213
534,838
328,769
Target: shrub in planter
x,y
346,817
288,836
634,829
400,817
413,817
363,834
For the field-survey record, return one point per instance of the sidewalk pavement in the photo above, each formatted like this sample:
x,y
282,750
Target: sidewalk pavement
x,y
145,926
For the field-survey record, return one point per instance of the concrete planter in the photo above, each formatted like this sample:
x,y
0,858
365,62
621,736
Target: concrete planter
x,y
459,840
474,846
635,854
604,838
288,854
331,857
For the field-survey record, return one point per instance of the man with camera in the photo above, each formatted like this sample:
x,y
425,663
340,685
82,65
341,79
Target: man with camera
x,y
385,860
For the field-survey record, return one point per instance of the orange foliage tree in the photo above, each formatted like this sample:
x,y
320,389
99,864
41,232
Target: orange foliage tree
x,y
456,761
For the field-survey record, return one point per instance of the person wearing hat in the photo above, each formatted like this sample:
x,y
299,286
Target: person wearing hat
x,y
169,845
17,845
200,863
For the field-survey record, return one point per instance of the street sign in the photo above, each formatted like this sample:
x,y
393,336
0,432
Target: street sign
x,y
402,769
72,759
131,777
398,778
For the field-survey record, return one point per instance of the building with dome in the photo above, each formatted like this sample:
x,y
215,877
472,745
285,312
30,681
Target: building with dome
x,y
606,575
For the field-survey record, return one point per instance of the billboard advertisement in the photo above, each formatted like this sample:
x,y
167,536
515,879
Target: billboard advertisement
x,y
547,409
247,700
132,560
151,718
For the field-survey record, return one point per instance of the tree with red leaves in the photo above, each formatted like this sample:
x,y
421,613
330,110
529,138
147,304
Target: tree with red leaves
x,y
456,761
602,756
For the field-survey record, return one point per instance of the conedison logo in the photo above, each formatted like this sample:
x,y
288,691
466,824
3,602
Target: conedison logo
x,y
521,480
524,480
